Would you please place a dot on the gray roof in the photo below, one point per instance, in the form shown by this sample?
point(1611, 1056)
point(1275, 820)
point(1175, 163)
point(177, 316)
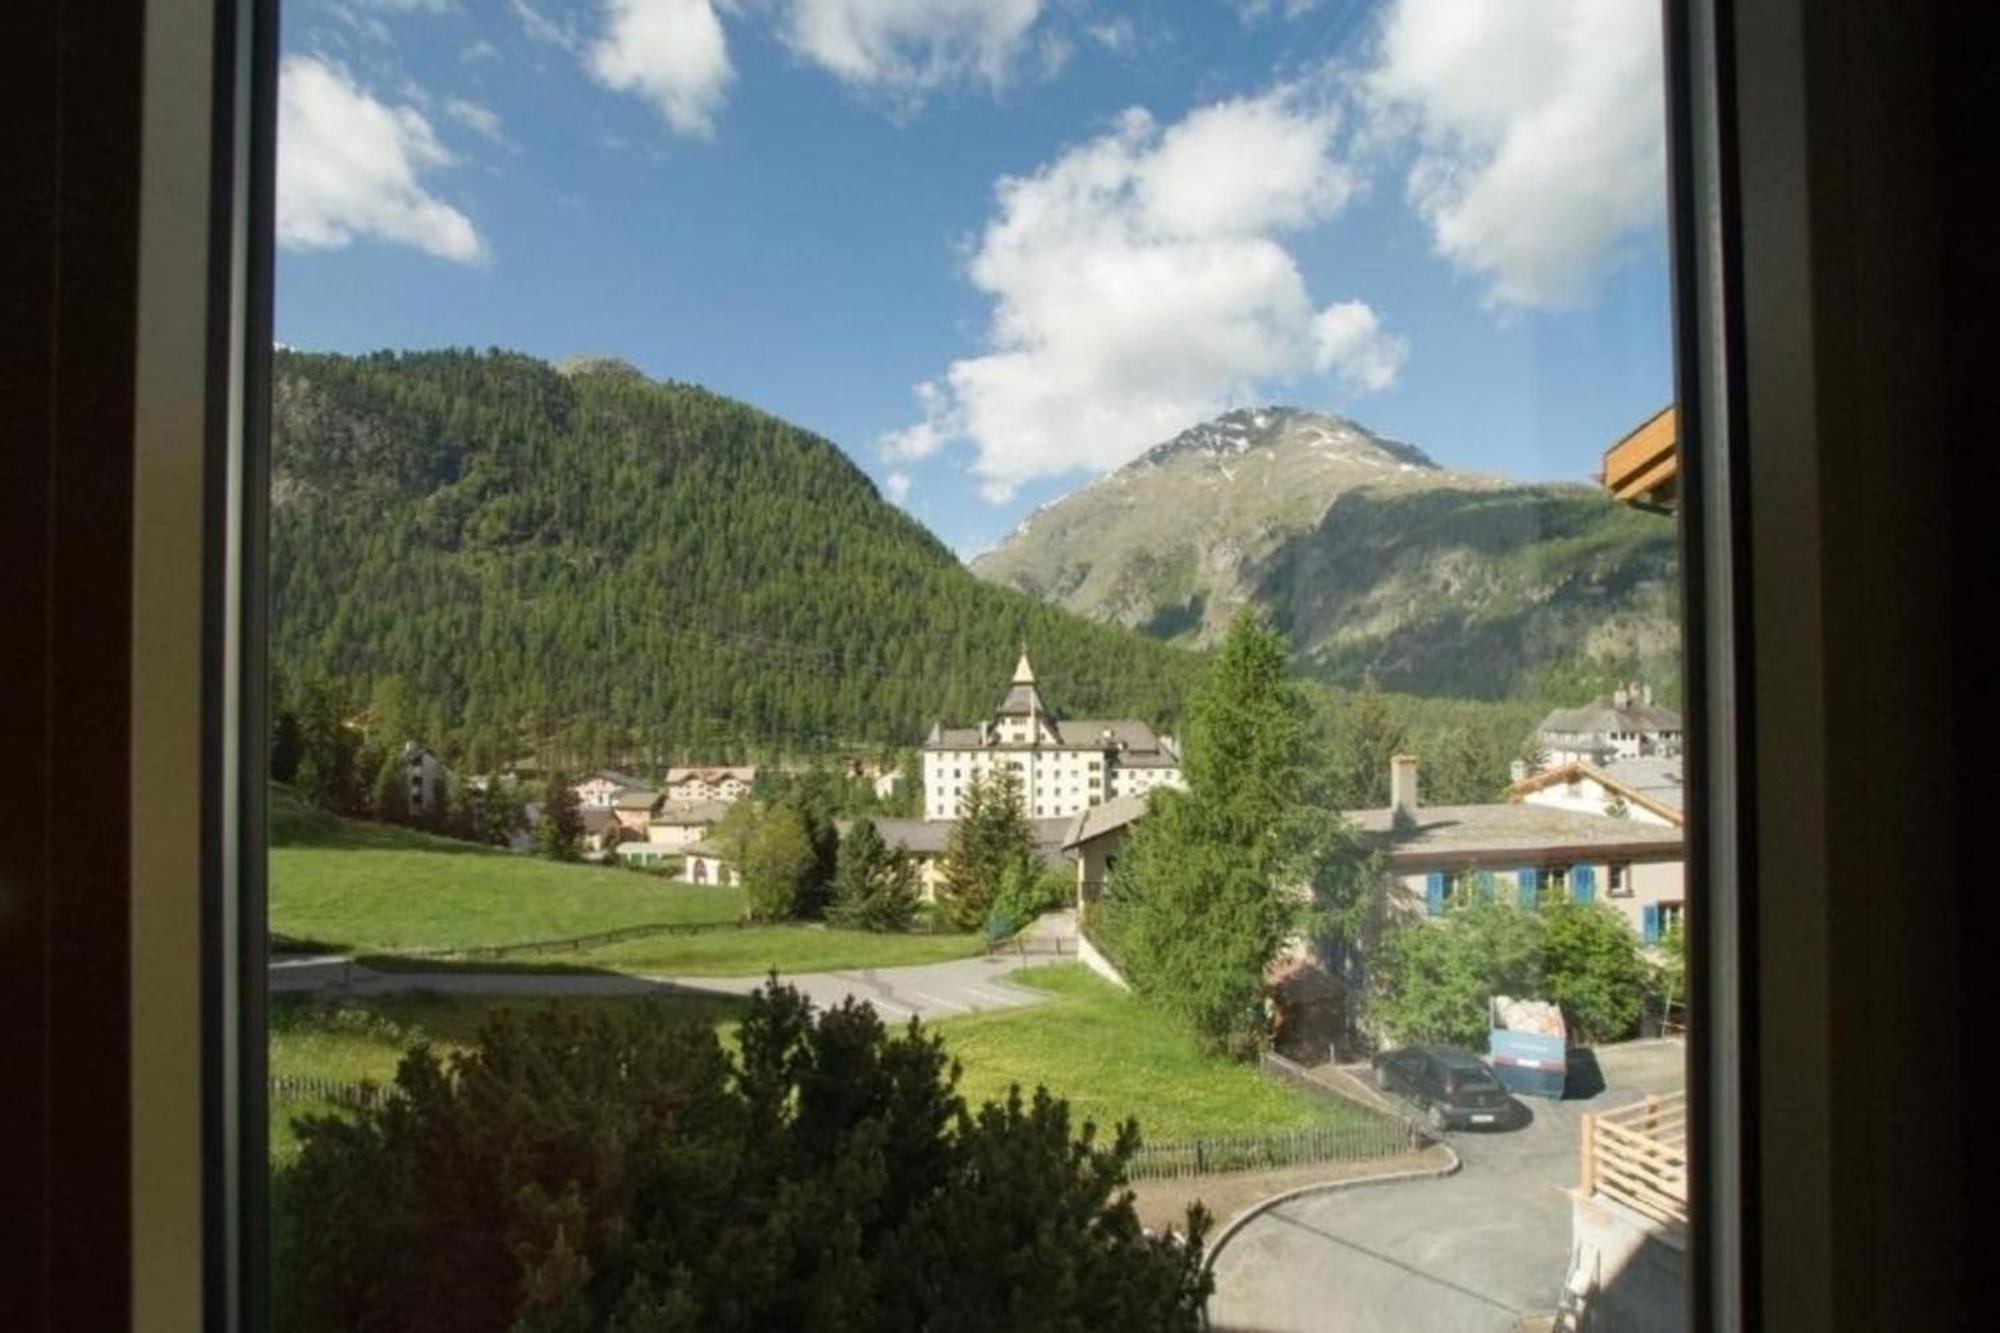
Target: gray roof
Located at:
point(1495, 833)
point(1022, 698)
point(1107, 817)
point(1603, 717)
point(1651, 776)
point(635, 798)
point(930, 837)
point(612, 776)
point(690, 812)
point(713, 773)
point(1137, 744)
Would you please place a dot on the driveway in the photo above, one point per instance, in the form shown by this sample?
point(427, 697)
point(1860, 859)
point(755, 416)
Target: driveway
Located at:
point(1466, 1253)
point(928, 990)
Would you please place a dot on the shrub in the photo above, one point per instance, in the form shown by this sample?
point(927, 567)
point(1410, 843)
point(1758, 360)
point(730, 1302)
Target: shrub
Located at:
point(618, 1170)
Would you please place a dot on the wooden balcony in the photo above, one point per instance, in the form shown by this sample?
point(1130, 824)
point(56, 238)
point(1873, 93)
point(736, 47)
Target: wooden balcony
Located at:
point(1637, 1156)
point(1643, 469)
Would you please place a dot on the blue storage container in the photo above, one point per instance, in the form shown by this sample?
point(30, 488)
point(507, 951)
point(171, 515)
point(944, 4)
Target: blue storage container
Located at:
point(1528, 1064)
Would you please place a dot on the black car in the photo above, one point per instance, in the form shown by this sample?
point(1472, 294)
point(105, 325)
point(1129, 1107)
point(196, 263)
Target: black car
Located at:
point(1455, 1089)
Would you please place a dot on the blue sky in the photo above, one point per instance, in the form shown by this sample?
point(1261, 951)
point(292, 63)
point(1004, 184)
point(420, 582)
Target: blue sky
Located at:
point(993, 248)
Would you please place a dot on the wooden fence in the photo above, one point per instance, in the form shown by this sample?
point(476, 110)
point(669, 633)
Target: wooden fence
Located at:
point(1637, 1156)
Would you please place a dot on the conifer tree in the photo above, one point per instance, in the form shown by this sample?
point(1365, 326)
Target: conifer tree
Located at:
point(389, 798)
point(990, 840)
point(559, 831)
point(875, 886)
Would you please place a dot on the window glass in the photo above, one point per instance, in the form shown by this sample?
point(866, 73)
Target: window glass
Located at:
point(1137, 538)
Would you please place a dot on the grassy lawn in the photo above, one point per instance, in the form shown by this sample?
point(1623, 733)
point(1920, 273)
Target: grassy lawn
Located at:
point(1113, 1058)
point(1097, 1047)
point(379, 888)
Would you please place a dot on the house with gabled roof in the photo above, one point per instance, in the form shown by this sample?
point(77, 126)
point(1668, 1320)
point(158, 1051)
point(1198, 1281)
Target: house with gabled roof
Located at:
point(1647, 789)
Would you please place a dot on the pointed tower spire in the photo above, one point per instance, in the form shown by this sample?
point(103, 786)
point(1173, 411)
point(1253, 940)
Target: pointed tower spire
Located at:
point(1024, 674)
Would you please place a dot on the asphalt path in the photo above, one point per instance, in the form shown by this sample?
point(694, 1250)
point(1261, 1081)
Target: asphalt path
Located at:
point(1472, 1252)
point(927, 990)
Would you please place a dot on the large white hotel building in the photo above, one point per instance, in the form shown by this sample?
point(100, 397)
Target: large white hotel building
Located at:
point(1063, 766)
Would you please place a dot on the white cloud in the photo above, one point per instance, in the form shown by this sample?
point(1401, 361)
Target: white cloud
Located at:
point(908, 47)
point(480, 119)
point(1252, 11)
point(1114, 34)
point(1348, 340)
point(1139, 285)
point(671, 52)
point(1540, 131)
point(541, 28)
point(477, 50)
point(897, 486)
point(350, 167)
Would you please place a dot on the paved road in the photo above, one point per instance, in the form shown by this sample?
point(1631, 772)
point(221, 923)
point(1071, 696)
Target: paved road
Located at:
point(929, 990)
point(1468, 1253)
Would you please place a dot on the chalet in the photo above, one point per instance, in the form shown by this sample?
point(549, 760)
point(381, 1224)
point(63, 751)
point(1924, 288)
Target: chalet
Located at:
point(1645, 789)
point(634, 808)
point(1625, 724)
point(1524, 853)
point(926, 841)
point(710, 784)
point(601, 789)
point(677, 825)
point(1095, 838)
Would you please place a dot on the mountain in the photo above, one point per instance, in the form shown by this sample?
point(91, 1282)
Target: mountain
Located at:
point(1371, 557)
point(589, 565)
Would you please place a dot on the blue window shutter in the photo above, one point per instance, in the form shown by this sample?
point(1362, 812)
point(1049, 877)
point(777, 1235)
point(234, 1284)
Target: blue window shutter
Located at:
point(1482, 885)
point(1434, 892)
point(1529, 883)
point(1649, 924)
point(1583, 884)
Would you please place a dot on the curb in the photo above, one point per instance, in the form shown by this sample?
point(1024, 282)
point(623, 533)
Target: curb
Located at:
point(1262, 1206)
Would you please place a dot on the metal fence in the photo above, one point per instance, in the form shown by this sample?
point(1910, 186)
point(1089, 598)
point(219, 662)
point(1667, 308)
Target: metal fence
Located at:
point(293, 1088)
point(1366, 1140)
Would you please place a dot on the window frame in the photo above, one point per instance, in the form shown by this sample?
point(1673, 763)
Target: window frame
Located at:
point(1772, 279)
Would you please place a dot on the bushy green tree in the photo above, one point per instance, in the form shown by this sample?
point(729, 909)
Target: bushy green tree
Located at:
point(559, 826)
point(1217, 879)
point(389, 799)
point(1432, 981)
point(875, 885)
point(1593, 968)
point(499, 812)
point(990, 841)
point(1367, 735)
point(581, 1170)
point(778, 864)
point(285, 745)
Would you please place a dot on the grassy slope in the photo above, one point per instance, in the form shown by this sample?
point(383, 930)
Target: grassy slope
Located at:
point(379, 888)
point(1111, 1057)
point(1100, 1049)
point(758, 949)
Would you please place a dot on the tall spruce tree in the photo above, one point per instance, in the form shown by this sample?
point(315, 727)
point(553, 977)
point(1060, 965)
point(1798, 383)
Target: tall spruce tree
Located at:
point(1217, 879)
point(990, 841)
point(875, 886)
point(1368, 736)
point(559, 830)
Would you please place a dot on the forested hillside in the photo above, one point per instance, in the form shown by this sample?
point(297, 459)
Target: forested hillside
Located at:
point(584, 565)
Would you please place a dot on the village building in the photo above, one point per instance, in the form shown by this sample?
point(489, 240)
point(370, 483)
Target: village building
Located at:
point(1646, 789)
point(675, 826)
point(707, 863)
point(710, 784)
point(633, 809)
point(1625, 724)
point(1062, 767)
point(426, 778)
point(600, 790)
point(1522, 853)
point(927, 842)
point(1094, 839)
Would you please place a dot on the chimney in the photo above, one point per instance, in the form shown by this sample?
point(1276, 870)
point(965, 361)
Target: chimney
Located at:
point(1646, 694)
point(1620, 697)
point(1403, 787)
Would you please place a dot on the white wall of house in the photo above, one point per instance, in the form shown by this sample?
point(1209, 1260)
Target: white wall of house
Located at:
point(1630, 887)
point(1589, 796)
point(598, 792)
point(1055, 783)
point(708, 868)
point(674, 837)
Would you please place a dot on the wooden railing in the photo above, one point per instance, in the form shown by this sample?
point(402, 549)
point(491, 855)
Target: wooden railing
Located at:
point(1637, 1156)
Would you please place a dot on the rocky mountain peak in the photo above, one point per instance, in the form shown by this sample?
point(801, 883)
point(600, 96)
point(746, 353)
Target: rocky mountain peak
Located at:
point(1245, 430)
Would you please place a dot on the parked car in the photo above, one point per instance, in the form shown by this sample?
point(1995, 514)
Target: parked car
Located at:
point(1454, 1089)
